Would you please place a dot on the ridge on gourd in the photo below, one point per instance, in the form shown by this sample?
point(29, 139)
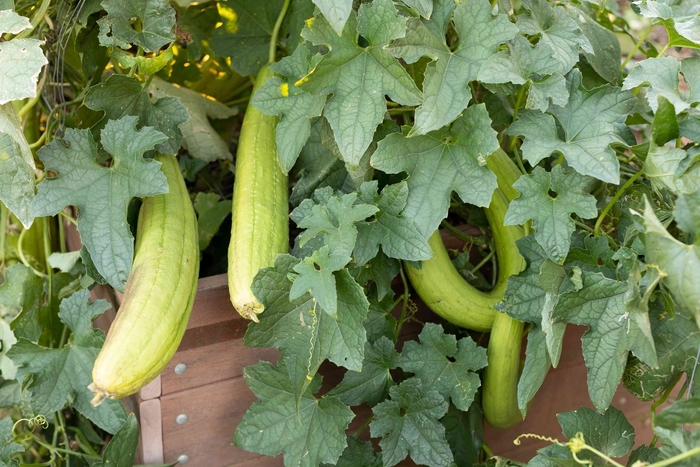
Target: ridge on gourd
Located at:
point(445, 292)
point(159, 293)
point(260, 226)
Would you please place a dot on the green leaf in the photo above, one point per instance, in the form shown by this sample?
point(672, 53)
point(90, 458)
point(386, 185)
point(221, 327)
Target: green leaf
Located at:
point(334, 216)
point(615, 330)
point(65, 262)
point(681, 412)
point(605, 57)
point(680, 18)
point(296, 108)
point(102, 194)
point(61, 376)
point(21, 60)
point(336, 12)
point(371, 385)
point(551, 216)
point(453, 158)
point(531, 297)
point(687, 212)
point(527, 65)
point(122, 447)
point(465, 433)
point(24, 299)
point(199, 20)
point(198, 136)
point(308, 431)
point(8, 447)
point(676, 442)
point(304, 333)
point(211, 212)
point(445, 364)
point(423, 7)
point(359, 77)
point(661, 76)
point(121, 95)
point(408, 424)
point(556, 29)
point(245, 33)
point(318, 167)
point(677, 340)
point(8, 370)
point(397, 235)
point(16, 166)
point(380, 321)
point(315, 275)
point(609, 433)
point(148, 24)
point(358, 454)
point(589, 121)
point(382, 270)
point(644, 453)
point(679, 262)
point(445, 89)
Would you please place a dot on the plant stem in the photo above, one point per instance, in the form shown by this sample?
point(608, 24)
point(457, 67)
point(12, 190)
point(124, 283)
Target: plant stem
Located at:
point(362, 427)
point(40, 141)
point(276, 31)
point(676, 458)
point(660, 401)
point(400, 110)
point(404, 307)
point(620, 192)
point(483, 261)
point(666, 47)
point(32, 102)
point(636, 47)
point(36, 19)
point(461, 235)
point(22, 258)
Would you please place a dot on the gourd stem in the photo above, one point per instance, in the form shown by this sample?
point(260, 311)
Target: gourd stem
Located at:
point(276, 31)
point(608, 207)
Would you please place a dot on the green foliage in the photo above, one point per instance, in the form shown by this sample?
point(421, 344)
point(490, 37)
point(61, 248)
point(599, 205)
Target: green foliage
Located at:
point(389, 113)
point(102, 194)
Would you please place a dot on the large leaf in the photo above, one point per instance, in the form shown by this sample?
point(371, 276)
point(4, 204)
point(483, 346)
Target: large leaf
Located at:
point(589, 121)
point(453, 158)
point(149, 24)
point(60, 376)
point(307, 430)
point(445, 89)
point(359, 77)
point(102, 194)
point(21, 60)
point(16, 165)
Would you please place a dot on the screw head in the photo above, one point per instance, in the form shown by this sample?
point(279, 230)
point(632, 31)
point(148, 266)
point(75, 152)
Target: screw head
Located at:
point(182, 459)
point(181, 419)
point(180, 368)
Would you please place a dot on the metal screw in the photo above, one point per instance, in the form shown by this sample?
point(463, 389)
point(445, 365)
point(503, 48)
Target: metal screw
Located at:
point(182, 459)
point(180, 368)
point(181, 419)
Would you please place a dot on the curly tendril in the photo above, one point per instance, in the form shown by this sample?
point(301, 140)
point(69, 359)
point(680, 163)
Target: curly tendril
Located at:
point(38, 420)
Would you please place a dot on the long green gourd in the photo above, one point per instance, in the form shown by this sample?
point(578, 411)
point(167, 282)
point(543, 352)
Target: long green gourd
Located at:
point(260, 227)
point(443, 289)
point(159, 293)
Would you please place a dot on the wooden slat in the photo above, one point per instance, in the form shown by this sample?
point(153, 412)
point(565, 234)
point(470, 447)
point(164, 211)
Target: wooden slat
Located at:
point(213, 413)
point(211, 363)
point(151, 425)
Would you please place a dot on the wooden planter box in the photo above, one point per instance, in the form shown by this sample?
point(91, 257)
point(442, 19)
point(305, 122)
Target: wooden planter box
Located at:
point(193, 407)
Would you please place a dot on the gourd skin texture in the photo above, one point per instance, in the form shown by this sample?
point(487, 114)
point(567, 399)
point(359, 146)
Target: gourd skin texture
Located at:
point(260, 226)
point(159, 293)
point(443, 289)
